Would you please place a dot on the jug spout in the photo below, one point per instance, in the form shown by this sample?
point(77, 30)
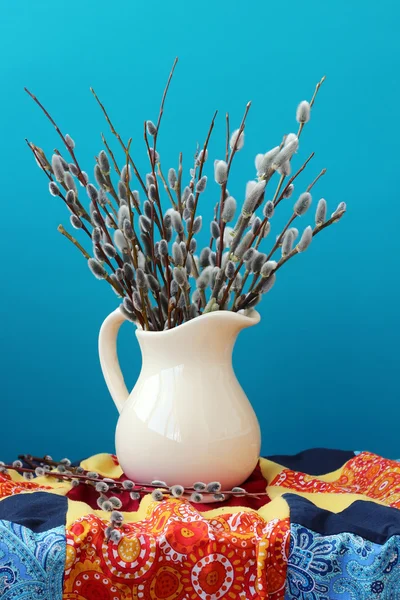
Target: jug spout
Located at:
point(208, 338)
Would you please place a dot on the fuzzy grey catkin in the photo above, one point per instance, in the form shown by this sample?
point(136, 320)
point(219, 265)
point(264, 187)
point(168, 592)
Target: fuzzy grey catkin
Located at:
point(177, 491)
point(54, 189)
point(177, 255)
point(153, 283)
point(121, 242)
point(97, 268)
point(103, 200)
point(193, 245)
point(119, 274)
point(74, 170)
point(303, 112)
point(157, 495)
point(186, 215)
point(205, 257)
point(258, 262)
point(229, 209)
point(172, 178)
point(58, 169)
point(215, 230)
point(129, 316)
point(267, 283)
point(243, 245)
point(302, 204)
point(128, 271)
point(220, 171)
point(99, 177)
point(197, 223)
point(253, 198)
point(163, 248)
point(255, 226)
point(186, 194)
point(70, 197)
point(230, 269)
point(96, 218)
point(288, 191)
point(76, 222)
point(254, 301)
point(180, 276)
point(92, 192)
point(285, 154)
point(109, 250)
point(305, 239)
point(147, 209)
point(96, 235)
point(203, 155)
point(128, 230)
point(196, 497)
point(150, 179)
point(213, 487)
point(174, 287)
point(116, 516)
point(268, 267)
point(201, 184)
point(69, 141)
point(128, 484)
point(339, 212)
point(125, 173)
point(287, 242)
point(203, 281)
point(268, 209)
point(151, 128)
point(70, 182)
point(237, 140)
point(176, 221)
point(137, 300)
point(104, 163)
point(190, 202)
point(98, 253)
point(144, 223)
point(152, 192)
point(285, 169)
point(122, 191)
point(265, 164)
point(128, 305)
point(320, 213)
point(141, 279)
point(123, 213)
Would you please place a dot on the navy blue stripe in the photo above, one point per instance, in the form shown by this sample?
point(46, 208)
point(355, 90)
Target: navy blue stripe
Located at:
point(369, 520)
point(38, 511)
point(317, 461)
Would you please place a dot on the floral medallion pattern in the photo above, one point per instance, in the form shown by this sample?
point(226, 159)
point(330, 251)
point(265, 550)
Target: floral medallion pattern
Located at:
point(176, 553)
point(366, 474)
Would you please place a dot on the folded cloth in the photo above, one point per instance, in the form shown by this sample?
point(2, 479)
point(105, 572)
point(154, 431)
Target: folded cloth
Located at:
point(328, 529)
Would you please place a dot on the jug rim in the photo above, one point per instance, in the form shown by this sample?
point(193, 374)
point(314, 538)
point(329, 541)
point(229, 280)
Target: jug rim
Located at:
point(252, 317)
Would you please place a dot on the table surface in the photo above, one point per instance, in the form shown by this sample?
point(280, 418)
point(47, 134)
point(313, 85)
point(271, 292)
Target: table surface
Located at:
point(329, 528)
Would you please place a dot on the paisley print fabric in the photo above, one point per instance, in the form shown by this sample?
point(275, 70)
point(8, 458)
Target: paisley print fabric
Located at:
point(321, 525)
point(342, 566)
point(31, 564)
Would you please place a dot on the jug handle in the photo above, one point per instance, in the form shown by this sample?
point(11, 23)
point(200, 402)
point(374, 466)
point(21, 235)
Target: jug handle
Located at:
point(109, 358)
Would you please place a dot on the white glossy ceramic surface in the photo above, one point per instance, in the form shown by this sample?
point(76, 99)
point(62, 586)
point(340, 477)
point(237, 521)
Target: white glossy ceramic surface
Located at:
point(187, 418)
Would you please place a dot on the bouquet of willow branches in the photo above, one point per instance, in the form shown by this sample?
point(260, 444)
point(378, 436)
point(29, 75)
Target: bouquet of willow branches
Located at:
point(149, 255)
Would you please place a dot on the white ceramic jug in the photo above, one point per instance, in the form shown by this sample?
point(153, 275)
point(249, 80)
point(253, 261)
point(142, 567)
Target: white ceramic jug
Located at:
point(187, 419)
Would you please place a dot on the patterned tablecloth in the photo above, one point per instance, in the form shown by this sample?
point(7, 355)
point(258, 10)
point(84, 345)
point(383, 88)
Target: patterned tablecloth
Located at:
point(329, 529)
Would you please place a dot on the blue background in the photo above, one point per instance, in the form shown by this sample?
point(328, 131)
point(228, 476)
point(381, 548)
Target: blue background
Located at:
point(322, 367)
